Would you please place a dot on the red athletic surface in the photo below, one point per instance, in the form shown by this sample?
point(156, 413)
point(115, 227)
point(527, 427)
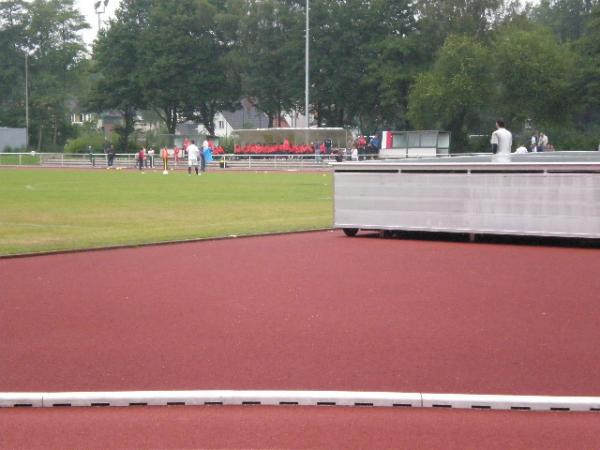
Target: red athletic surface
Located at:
point(283, 427)
point(307, 311)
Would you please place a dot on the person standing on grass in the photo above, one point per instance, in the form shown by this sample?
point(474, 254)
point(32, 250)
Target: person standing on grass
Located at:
point(140, 159)
point(164, 154)
point(202, 159)
point(206, 157)
point(501, 142)
point(193, 156)
point(111, 156)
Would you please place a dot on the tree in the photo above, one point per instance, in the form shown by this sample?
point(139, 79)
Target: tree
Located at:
point(566, 18)
point(391, 65)
point(533, 74)
point(588, 71)
point(454, 94)
point(438, 19)
point(184, 71)
point(56, 49)
point(46, 31)
point(12, 69)
point(218, 86)
point(118, 67)
point(270, 55)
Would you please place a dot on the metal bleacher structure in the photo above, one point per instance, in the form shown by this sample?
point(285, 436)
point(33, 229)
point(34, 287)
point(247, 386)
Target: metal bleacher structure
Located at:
point(554, 194)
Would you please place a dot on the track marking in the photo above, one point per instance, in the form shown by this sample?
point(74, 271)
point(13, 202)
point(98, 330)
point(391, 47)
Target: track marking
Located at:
point(300, 398)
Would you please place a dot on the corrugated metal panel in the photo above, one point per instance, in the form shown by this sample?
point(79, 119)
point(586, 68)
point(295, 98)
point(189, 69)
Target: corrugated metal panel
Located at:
point(550, 199)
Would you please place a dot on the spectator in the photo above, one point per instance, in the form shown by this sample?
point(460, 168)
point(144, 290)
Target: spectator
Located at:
point(361, 143)
point(91, 156)
point(111, 156)
point(193, 155)
point(375, 144)
point(151, 157)
point(164, 154)
point(501, 143)
point(542, 142)
point(140, 158)
point(176, 155)
point(206, 157)
point(521, 149)
point(354, 154)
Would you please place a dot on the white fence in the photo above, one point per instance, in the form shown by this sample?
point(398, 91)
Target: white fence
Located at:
point(128, 160)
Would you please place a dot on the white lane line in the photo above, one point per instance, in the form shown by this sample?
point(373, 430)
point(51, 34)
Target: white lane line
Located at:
point(300, 398)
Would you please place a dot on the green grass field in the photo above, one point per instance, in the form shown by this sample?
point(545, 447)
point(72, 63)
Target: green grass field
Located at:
point(43, 210)
point(7, 159)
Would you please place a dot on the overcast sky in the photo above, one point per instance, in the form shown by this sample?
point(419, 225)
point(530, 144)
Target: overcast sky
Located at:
point(87, 9)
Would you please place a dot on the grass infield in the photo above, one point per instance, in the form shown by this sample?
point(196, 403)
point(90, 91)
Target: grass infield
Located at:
point(45, 210)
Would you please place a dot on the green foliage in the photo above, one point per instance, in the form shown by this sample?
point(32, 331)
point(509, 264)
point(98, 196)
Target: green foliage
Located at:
point(47, 32)
point(375, 64)
point(534, 73)
point(453, 94)
point(567, 19)
point(82, 144)
point(228, 144)
point(571, 138)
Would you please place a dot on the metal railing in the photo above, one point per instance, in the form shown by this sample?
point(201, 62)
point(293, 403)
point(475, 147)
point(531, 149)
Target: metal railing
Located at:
point(128, 160)
point(240, 162)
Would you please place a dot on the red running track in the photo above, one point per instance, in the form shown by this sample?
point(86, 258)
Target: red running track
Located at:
point(314, 311)
point(304, 427)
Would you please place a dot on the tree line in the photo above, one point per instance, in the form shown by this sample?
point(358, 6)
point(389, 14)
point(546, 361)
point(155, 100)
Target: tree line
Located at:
point(375, 64)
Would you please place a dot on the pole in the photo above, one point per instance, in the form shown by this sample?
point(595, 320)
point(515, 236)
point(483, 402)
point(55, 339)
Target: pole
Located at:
point(26, 100)
point(307, 69)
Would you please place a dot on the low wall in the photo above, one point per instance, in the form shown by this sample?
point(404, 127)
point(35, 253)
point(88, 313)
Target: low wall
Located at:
point(12, 138)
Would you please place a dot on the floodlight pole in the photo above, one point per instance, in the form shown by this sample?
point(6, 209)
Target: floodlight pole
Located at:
point(99, 13)
point(307, 68)
point(26, 99)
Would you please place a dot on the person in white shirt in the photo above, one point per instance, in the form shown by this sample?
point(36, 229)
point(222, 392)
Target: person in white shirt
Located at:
point(501, 143)
point(542, 142)
point(534, 140)
point(354, 154)
point(193, 154)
